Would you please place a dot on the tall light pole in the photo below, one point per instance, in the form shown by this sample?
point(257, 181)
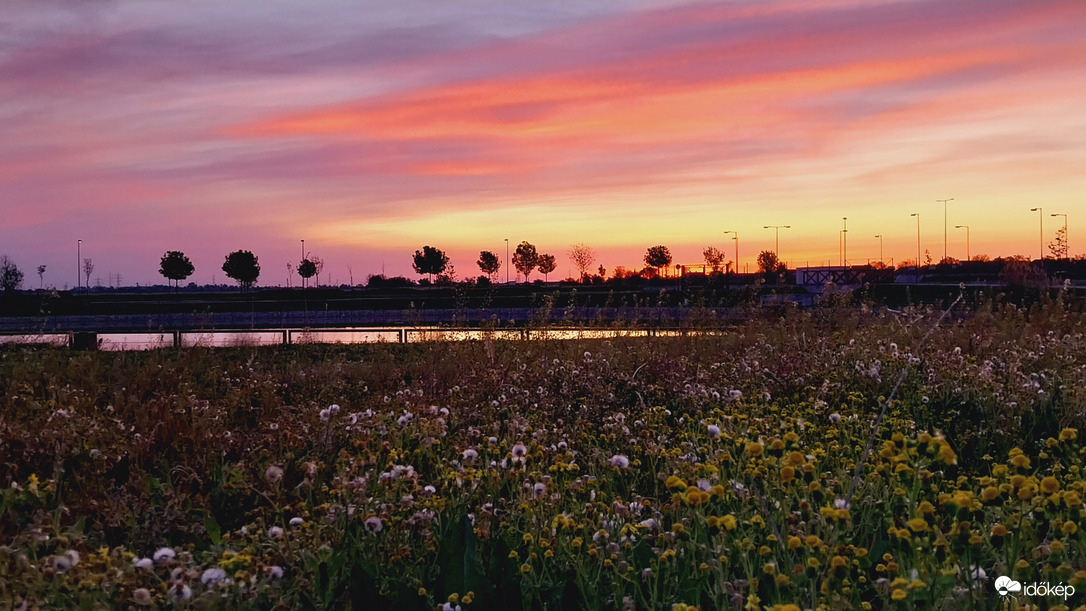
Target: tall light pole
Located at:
point(777, 240)
point(507, 260)
point(880, 247)
point(1066, 245)
point(917, 215)
point(78, 261)
point(844, 241)
point(966, 228)
point(735, 236)
point(944, 223)
point(1041, 215)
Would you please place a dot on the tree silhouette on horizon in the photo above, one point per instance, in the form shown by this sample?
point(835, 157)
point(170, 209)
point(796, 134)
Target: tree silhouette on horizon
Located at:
point(242, 266)
point(430, 260)
point(525, 258)
point(175, 266)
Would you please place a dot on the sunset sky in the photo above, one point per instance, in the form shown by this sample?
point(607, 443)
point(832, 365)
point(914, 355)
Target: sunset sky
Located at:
point(371, 129)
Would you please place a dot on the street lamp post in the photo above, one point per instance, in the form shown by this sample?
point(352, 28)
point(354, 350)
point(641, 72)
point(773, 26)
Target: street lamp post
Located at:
point(1066, 244)
point(844, 241)
point(78, 260)
point(777, 239)
point(944, 223)
point(966, 228)
point(735, 236)
point(1041, 215)
point(917, 215)
point(507, 260)
point(880, 247)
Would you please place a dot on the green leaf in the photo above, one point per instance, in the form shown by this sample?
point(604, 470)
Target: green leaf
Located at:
point(212, 528)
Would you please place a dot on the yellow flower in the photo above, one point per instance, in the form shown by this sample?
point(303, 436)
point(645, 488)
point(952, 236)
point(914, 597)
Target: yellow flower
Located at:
point(674, 482)
point(794, 542)
point(525, 568)
point(926, 508)
point(1021, 461)
point(728, 522)
point(999, 530)
point(1069, 528)
point(796, 459)
point(898, 594)
point(755, 449)
point(788, 474)
point(1050, 485)
point(946, 454)
point(918, 525)
point(1068, 434)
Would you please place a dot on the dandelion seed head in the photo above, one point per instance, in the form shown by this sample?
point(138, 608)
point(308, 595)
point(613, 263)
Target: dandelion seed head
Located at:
point(163, 554)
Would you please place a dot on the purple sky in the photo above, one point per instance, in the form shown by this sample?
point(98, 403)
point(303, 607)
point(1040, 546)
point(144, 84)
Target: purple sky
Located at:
point(369, 130)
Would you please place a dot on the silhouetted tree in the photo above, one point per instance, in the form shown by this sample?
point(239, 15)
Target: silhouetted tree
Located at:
point(713, 257)
point(306, 269)
point(525, 259)
point(175, 266)
point(768, 263)
point(657, 257)
point(546, 265)
point(489, 263)
point(582, 257)
point(41, 276)
point(10, 275)
point(242, 266)
point(88, 269)
point(319, 262)
point(1058, 246)
point(430, 261)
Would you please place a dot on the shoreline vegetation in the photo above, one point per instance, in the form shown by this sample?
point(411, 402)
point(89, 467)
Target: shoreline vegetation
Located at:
point(709, 471)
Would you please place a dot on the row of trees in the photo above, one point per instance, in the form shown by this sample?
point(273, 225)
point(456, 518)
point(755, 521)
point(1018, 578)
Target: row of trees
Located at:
point(244, 267)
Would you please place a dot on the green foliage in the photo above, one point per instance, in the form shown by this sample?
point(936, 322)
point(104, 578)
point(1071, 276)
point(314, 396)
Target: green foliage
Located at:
point(555, 474)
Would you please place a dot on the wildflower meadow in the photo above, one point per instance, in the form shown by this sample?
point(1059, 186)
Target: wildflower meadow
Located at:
point(737, 467)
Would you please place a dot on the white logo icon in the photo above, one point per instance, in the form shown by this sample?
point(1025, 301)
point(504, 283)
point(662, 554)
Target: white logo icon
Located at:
point(1005, 585)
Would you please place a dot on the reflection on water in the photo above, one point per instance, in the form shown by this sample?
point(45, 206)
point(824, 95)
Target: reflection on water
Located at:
point(50, 339)
point(220, 339)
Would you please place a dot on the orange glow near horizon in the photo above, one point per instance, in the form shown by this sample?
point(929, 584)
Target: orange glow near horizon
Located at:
point(617, 125)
